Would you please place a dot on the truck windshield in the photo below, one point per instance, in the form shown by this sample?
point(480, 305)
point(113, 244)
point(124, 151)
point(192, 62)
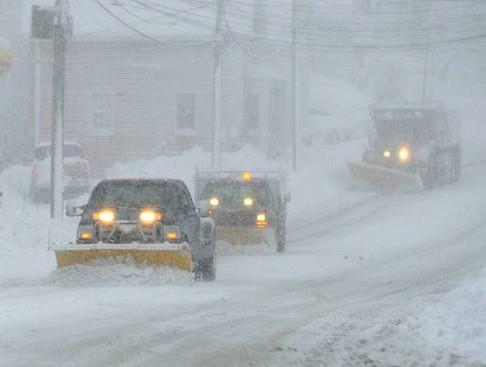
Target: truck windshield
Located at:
point(136, 194)
point(232, 193)
point(413, 130)
point(412, 125)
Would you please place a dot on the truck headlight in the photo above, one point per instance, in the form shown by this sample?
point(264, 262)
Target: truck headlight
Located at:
point(149, 216)
point(387, 154)
point(105, 216)
point(404, 154)
point(248, 201)
point(214, 201)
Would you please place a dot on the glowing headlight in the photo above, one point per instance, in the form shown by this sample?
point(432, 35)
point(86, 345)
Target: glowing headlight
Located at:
point(149, 216)
point(387, 154)
point(404, 154)
point(214, 201)
point(105, 216)
point(261, 217)
point(248, 201)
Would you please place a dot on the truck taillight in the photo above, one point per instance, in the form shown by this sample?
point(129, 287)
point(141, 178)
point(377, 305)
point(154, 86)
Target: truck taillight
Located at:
point(85, 170)
point(35, 172)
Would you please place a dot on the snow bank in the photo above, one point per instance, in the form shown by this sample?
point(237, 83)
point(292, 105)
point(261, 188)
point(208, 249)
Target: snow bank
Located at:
point(23, 230)
point(183, 166)
point(440, 330)
point(458, 322)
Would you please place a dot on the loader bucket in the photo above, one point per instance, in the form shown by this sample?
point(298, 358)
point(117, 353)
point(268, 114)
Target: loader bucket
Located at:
point(178, 256)
point(383, 177)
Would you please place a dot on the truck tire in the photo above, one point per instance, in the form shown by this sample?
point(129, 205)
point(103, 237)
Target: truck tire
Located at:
point(280, 245)
point(206, 269)
point(427, 177)
point(280, 240)
point(447, 170)
point(456, 166)
point(280, 234)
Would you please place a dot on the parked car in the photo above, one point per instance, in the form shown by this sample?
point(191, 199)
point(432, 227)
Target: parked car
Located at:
point(76, 172)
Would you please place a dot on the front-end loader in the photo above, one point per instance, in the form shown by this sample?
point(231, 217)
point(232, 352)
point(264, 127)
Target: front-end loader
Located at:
point(411, 145)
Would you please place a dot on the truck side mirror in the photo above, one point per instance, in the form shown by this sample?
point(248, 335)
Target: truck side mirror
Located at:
point(204, 208)
point(72, 210)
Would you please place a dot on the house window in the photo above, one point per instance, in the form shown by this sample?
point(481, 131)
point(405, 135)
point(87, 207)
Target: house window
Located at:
point(186, 110)
point(101, 114)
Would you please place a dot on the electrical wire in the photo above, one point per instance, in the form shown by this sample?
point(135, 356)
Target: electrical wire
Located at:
point(314, 36)
point(145, 35)
point(248, 53)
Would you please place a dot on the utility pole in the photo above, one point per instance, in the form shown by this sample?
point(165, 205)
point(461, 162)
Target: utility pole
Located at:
point(425, 81)
point(37, 92)
point(295, 104)
point(59, 50)
point(218, 85)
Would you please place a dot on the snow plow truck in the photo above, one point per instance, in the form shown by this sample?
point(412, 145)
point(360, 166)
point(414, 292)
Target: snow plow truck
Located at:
point(154, 221)
point(411, 145)
point(248, 207)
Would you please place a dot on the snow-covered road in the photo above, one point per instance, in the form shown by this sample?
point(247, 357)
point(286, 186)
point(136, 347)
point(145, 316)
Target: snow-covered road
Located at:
point(348, 291)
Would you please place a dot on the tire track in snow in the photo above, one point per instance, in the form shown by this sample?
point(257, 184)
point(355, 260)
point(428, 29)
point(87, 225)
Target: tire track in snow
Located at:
point(249, 326)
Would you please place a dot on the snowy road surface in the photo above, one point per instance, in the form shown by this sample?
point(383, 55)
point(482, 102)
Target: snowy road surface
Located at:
point(365, 281)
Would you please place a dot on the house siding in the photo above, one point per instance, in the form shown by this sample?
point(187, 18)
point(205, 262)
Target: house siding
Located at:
point(143, 79)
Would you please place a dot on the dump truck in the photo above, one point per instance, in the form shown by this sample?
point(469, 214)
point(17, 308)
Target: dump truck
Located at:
point(248, 207)
point(153, 221)
point(411, 145)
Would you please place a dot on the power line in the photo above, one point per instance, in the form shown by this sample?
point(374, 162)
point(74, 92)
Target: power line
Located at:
point(276, 40)
point(145, 35)
point(248, 53)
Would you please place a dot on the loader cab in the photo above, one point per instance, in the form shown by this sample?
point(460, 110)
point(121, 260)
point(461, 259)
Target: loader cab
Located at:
point(392, 128)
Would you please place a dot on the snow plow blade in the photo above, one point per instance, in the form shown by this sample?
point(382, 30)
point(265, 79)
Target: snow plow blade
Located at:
point(241, 235)
point(176, 255)
point(384, 177)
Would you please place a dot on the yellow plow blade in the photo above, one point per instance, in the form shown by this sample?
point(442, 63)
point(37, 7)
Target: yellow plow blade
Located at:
point(177, 256)
point(241, 235)
point(384, 177)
